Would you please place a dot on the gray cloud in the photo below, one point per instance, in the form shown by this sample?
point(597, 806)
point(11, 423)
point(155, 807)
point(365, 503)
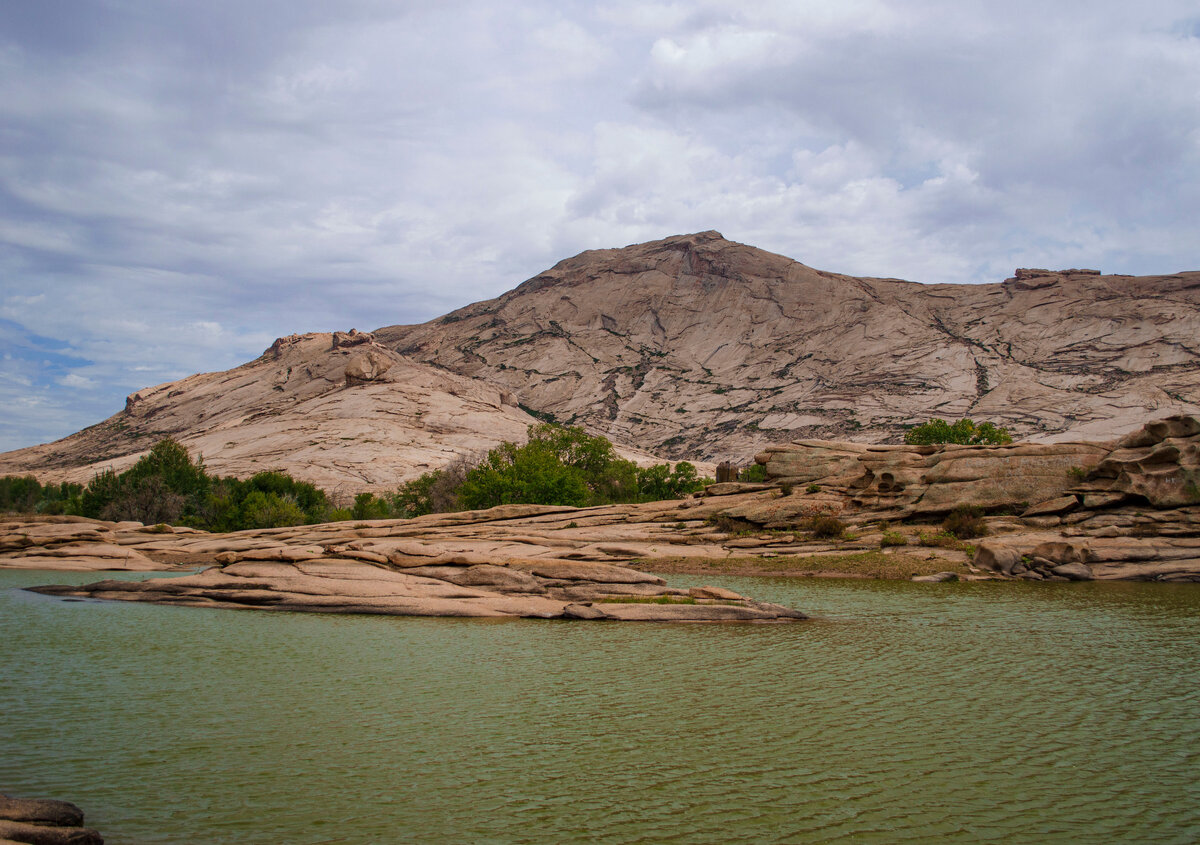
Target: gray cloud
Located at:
point(182, 182)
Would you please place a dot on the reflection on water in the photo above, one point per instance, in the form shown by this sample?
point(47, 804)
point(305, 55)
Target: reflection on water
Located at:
point(967, 712)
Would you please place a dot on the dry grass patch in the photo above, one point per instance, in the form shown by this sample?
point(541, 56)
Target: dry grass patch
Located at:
point(893, 566)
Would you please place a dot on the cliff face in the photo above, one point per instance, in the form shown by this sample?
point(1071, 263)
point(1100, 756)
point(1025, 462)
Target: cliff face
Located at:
point(697, 346)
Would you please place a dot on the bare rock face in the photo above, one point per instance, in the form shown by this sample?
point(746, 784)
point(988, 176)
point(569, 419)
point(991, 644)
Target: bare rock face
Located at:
point(689, 347)
point(1134, 515)
point(908, 481)
point(507, 562)
point(695, 346)
point(340, 410)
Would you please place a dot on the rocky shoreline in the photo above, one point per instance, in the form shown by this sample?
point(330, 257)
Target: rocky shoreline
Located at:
point(1127, 510)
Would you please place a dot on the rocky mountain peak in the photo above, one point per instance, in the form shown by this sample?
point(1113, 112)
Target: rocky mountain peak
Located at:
point(697, 346)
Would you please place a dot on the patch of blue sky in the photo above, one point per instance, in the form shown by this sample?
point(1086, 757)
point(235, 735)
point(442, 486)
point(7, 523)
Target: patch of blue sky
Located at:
point(46, 360)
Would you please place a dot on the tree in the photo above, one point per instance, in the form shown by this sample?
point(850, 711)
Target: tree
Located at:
point(963, 432)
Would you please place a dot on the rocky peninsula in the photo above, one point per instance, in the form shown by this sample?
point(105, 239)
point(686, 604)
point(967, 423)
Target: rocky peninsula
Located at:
point(1126, 509)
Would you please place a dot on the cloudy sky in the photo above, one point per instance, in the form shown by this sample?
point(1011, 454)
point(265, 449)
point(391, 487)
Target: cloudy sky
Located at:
point(181, 182)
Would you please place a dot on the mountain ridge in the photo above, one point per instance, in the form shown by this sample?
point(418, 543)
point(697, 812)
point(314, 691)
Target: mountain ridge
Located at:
point(833, 355)
point(691, 346)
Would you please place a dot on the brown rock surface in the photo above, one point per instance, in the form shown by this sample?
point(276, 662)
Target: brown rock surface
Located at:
point(510, 562)
point(692, 346)
point(1137, 514)
point(699, 347)
point(40, 821)
point(489, 558)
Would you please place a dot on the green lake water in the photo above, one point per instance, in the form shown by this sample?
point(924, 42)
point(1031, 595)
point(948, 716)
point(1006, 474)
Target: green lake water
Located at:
point(1007, 713)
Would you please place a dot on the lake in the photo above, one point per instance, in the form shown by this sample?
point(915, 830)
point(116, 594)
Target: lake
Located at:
point(984, 712)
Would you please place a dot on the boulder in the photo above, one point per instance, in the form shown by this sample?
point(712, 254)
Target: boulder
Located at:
point(1074, 572)
point(710, 592)
point(936, 578)
point(38, 834)
point(1060, 505)
point(40, 811)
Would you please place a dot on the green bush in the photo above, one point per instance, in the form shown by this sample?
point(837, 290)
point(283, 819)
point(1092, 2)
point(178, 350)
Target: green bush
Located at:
point(965, 522)
point(755, 473)
point(963, 432)
point(938, 541)
point(562, 465)
point(826, 527)
point(166, 486)
point(892, 538)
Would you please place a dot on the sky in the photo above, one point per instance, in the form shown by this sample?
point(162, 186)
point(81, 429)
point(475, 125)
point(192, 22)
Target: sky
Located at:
point(183, 182)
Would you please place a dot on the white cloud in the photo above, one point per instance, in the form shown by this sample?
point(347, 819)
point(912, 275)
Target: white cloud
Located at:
point(76, 381)
point(179, 185)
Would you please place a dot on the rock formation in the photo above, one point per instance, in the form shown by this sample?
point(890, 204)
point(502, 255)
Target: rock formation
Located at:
point(40, 821)
point(515, 560)
point(689, 347)
point(1127, 509)
point(695, 346)
point(340, 410)
point(1124, 510)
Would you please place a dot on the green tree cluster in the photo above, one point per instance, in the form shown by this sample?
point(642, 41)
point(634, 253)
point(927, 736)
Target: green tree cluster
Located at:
point(964, 432)
point(166, 485)
point(557, 465)
point(24, 494)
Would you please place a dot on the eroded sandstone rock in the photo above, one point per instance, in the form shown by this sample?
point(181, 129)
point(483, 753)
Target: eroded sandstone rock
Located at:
point(37, 821)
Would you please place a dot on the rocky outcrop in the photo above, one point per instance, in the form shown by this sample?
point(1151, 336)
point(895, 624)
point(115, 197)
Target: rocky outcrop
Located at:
point(1134, 515)
point(900, 482)
point(40, 821)
point(696, 346)
point(340, 411)
point(449, 586)
point(74, 543)
point(512, 561)
point(1128, 509)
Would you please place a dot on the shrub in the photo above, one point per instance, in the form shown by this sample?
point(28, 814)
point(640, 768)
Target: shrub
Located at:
point(964, 432)
point(755, 473)
point(366, 506)
point(965, 522)
point(730, 524)
point(270, 510)
point(814, 488)
point(938, 541)
point(19, 493)
point(785, 489)
point(826, 527)
point(892, 538)
point(147, 499)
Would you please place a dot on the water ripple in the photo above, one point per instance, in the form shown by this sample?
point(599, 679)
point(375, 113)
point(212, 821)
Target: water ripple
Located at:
point(962, 713)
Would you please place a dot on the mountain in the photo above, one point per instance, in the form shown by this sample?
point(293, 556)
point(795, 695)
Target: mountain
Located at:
point(692, 346)
point(339, 410)
point(700, 347)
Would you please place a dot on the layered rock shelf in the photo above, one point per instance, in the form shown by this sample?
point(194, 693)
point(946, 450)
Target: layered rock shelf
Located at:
point(513, 561)
point(1124, 509)
point(1128, 509)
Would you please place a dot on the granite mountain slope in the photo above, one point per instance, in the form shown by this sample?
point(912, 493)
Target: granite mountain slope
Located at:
point(338, 410)
point(692, 346)
point(697, 346)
